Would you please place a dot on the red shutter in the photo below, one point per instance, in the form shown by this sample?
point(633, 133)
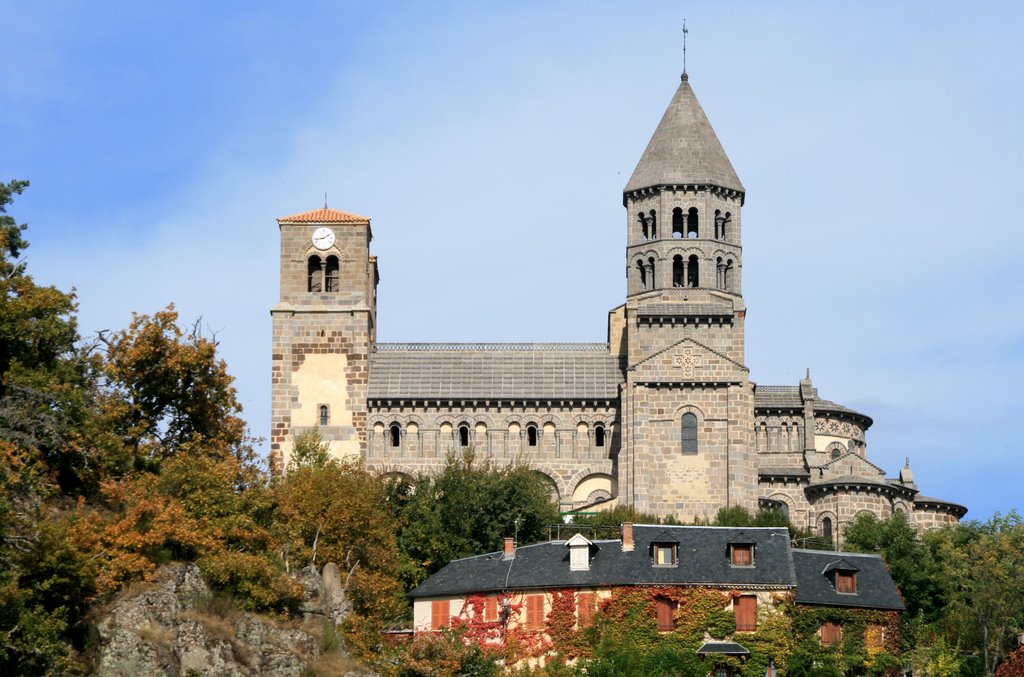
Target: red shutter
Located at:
point(845, 582)
point(584, 608)
point(745, 608)
point(666, 614)
point(742, 556)
point(440, 614)
point(535, 612)
point(874, 637)
point(831, 633)
point(491, 608)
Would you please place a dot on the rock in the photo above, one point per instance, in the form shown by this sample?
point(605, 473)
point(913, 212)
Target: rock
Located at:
point(169, 628)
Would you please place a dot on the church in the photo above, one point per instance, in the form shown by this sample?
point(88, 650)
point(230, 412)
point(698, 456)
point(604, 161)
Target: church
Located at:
point(662, 415)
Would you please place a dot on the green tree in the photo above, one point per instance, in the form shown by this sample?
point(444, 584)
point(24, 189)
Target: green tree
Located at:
point(467, 509)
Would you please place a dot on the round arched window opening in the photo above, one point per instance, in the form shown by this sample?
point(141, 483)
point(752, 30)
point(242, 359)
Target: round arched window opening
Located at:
point(463, 435)
point(395, 432)
point(689, 423)
point(531, 435)
point(599, 436)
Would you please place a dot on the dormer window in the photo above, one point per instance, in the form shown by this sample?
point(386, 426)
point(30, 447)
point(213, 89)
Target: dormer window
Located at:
point(742, 554)
point(843, 575)
point(664, 554)
point(579, 553)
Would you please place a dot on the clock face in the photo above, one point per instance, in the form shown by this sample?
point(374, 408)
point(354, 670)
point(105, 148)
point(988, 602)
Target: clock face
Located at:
point(323, 238)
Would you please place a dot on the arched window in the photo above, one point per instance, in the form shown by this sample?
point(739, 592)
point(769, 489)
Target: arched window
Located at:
point(396, 435)
point(643, 224)
point(331, 274)
point(691, 223)
point(314, 275)
point(325, 414)
point(689, 433)
point(531, 435)
point(599, 436)
point(836, 453)
point(692, 272)
point(826, 528)
point(727, 276)
point(654, 225)
point(678, 271)
point(719, 273)
point(725, 224)
point(463, 435)
point(650, 273)
point(643, 273)
point(677, 223)
point(718, 224)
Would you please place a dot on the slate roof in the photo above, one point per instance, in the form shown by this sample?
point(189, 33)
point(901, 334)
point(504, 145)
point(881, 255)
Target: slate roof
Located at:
point(702, 560)
point(324, 215)
point(495, 371)
point(875, 589)
point(724, 648)
point(684, 149)
point(788, 397)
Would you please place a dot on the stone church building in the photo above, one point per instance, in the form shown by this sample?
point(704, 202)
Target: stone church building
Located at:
point(662, 415)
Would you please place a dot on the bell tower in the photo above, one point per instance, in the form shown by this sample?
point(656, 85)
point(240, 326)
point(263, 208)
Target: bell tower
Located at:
point(323, 331)
point(687, 402)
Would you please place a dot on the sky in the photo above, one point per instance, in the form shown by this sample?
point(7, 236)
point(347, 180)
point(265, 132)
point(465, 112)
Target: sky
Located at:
point(880, 145)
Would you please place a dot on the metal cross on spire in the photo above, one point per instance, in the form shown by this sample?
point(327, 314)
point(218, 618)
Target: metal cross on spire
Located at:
point(684, 48)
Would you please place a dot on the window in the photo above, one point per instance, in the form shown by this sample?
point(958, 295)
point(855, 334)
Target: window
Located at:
point(643, 273)
point(535, 612)
point(314, 274)
point(691, 223)
point(490, 608)
point(692, 271)
point(718, 224)
point(584, 608)
point(689, 433)
point(463, 435)
point(678, 271)
point(396, 435)
point(677, 223)
point(665, 610)
point(663, 554)
point(725, 223)
point(846, 582)
point(831, 633)
point(531, 435)
point(650, 268)
point(654, 225)
point(325, 414)
point(599, 435)
point(331, 274)
point(643, 225)
point(440, 614)
point(742, 555)
point(745, 608)
point(874, 637)
point(723, 672)
point(727, 281)
point(826, 528)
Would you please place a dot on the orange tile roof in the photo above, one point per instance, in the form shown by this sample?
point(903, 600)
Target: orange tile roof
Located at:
point(323, 215)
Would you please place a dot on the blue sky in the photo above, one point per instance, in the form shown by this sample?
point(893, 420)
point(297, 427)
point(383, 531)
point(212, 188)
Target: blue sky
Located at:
point(879, 143)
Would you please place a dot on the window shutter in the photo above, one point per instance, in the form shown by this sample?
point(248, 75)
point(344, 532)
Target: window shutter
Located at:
point(665, 613)
point(584, 608)
point(535, 612)
point(440, 614)
point(845, 582)
point(874, 637)
point(491, 608)
point(745, 608)
point(741, 555)
point(831, 633)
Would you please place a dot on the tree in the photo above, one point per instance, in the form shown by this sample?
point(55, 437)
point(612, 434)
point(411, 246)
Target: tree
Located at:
point(467, 509)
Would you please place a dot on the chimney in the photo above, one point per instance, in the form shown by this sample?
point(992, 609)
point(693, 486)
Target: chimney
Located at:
point(627, 537)
point(510, 548)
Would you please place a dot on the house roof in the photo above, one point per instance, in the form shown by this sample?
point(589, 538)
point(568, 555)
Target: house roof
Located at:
point(324, 215)
point(703, 559)
point(875, 588)
point(494, 370)
point(789, 397)
point(684, 149)
point(724, 648)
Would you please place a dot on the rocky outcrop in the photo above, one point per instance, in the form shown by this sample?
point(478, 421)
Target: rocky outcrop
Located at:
point(175, 627)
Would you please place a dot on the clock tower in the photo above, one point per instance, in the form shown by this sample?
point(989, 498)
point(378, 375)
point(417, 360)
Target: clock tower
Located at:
point(323, 331)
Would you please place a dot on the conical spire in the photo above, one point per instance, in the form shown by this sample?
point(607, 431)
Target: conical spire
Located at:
point(684, 149)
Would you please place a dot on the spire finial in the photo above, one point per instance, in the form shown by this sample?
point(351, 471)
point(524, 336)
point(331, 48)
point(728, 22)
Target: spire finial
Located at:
point(325, 199)
point(685, 77)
